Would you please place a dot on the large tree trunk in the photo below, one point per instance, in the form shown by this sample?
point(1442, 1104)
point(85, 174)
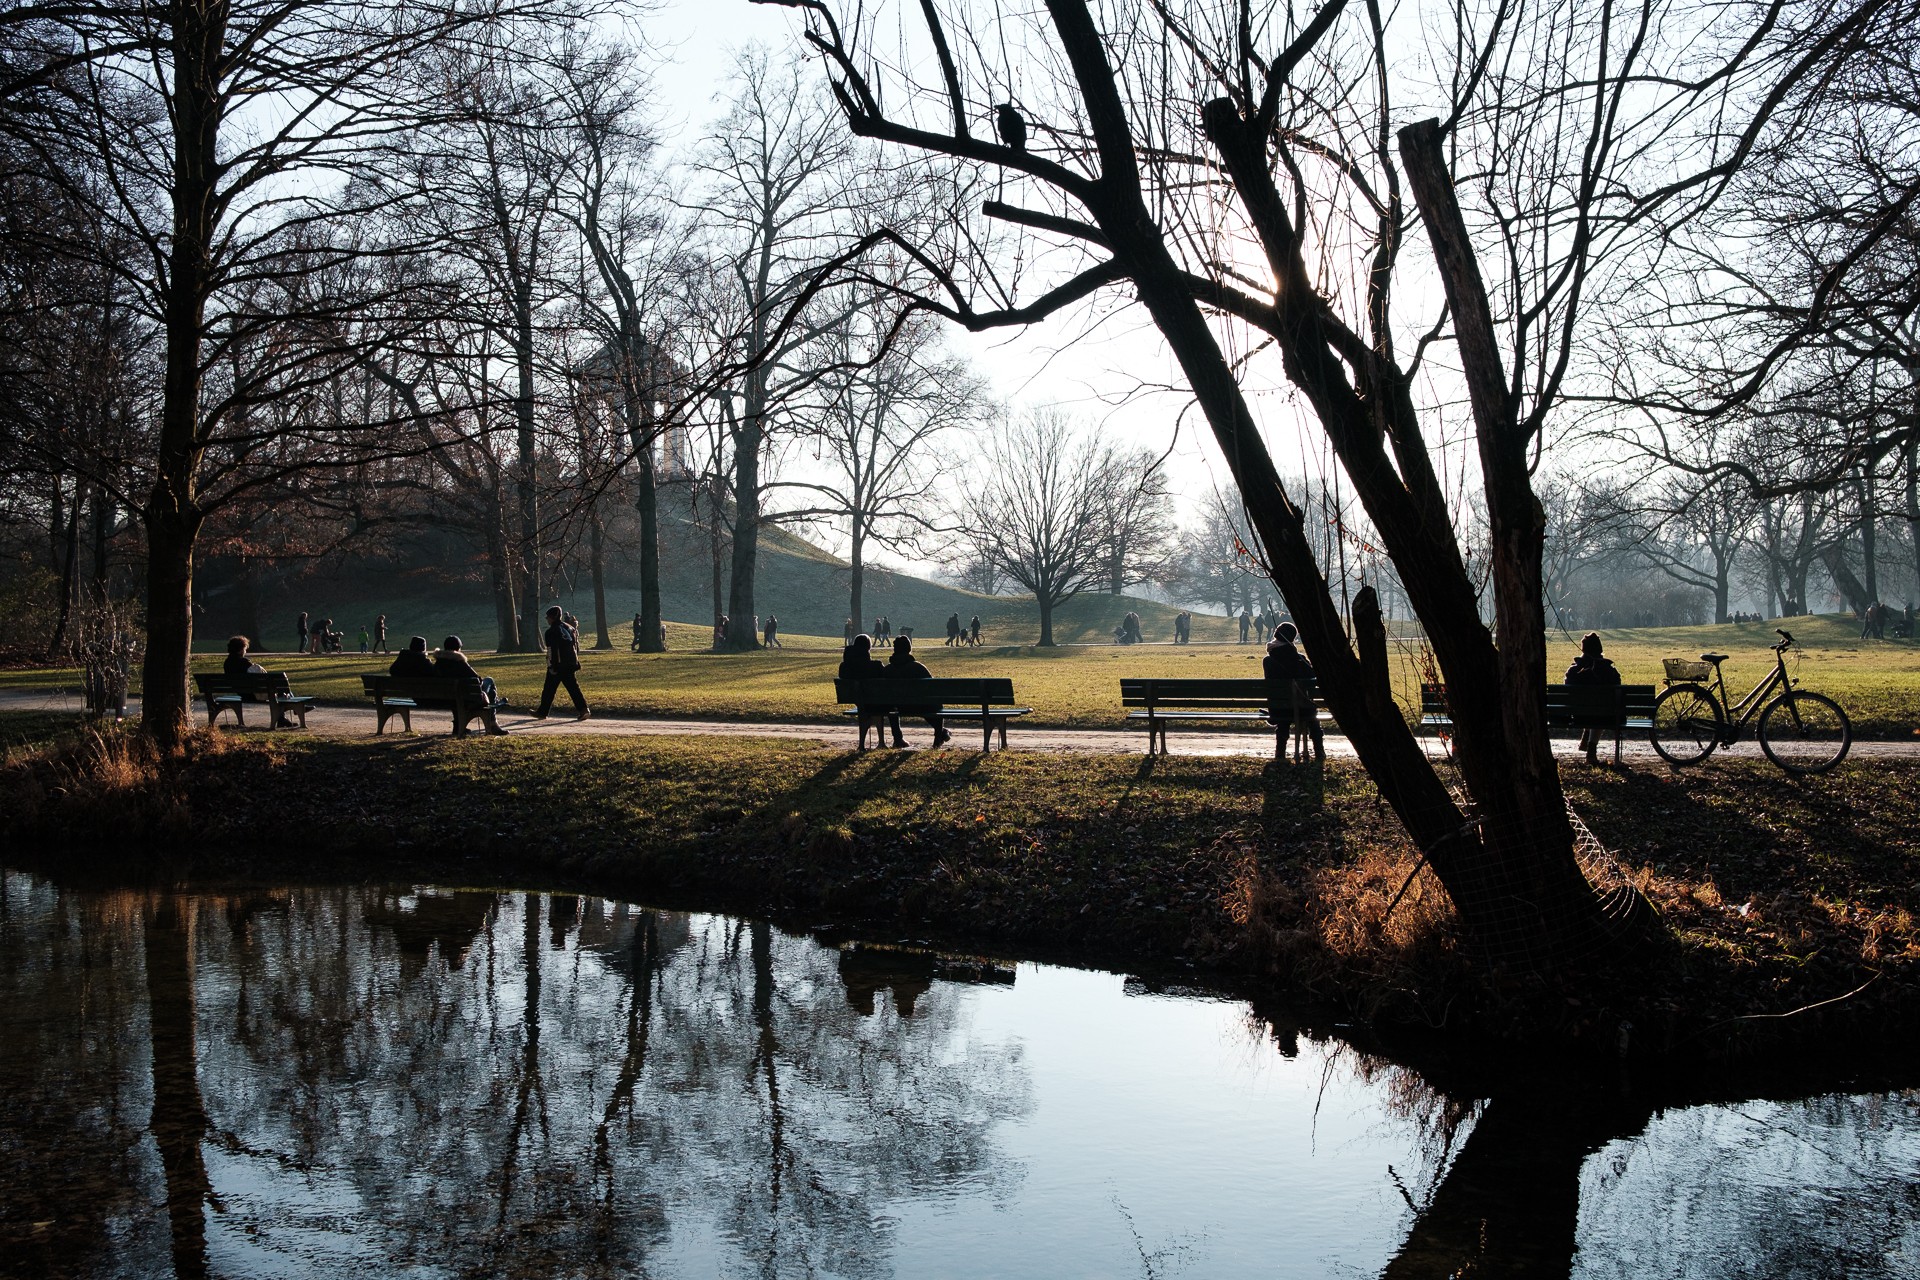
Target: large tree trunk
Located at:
point(1855, 591)
point(1046, 603)
point(173, 514)
point(596, 568)
point(857, 572)
point(500, 570)
point(69, 575)
point(646, 504)
point(102, 533)
point(528, 478)
point(746, 518)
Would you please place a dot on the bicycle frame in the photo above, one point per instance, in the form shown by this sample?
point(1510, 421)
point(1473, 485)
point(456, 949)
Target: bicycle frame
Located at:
point(1739, 713)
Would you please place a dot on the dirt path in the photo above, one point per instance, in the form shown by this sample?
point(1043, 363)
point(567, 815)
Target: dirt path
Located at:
point(351, 721)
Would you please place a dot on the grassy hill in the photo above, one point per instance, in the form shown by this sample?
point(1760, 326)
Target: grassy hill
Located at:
point(802, 585)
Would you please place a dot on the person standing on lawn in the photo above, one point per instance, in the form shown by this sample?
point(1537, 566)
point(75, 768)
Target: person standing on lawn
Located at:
point(563, 664)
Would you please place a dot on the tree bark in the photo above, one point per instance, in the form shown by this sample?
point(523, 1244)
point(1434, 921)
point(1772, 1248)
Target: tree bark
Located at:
point(528, 477)
point(646, 504)
point(746, 517)
point(596, 568)
point(500, 566)
point(1046, 620)
point(857, 572)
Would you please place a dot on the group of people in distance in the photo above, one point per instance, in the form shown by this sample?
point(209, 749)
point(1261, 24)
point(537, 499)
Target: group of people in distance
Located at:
point(858, 663)
point(958, 632)
point(320, 637)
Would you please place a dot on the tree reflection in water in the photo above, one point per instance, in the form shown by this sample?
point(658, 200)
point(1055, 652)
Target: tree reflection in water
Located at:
point(589, 1082)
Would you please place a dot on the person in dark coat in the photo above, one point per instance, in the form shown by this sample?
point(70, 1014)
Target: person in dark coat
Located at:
point(1592, 667)
point(239, 662)
point(412, 663)
point(1283, 665)
point(302, 646)
point(904, 666)
point(452, 661)
point(858, 663)
point(563, 661)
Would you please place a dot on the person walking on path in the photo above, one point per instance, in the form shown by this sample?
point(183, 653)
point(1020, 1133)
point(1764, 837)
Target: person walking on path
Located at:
point(974, 631)
point(302, 646)
point(380, 634)
point(1592, 668)
point(858, 663)
point(849, 632)
point(636, 633)
point(563, 664)
point(772, 636)
point(1246, 622)
point(904, 666)
point(363, 637)
point(953, 630)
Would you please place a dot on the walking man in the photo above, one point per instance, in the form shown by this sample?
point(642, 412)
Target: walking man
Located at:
point(380, 634)
point(302, 646)
point(563, 662)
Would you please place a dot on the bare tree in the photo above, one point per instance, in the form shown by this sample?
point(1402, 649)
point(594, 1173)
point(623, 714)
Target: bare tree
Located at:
point(1033, 510)
point(890, 393)
point(236, 134)
point(1245, 173)
point(1133, 518)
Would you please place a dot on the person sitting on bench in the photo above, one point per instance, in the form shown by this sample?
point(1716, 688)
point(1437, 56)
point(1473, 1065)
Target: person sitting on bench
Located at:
point(412, 662)
point(452, 662)
point(1283, 665)
point(240, 663)
point(904, 666)
point(858, 663)
point(1592, 668)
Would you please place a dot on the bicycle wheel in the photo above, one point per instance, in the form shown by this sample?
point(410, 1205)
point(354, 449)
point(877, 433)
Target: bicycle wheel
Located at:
point(1805, 732)
point(1687, 724)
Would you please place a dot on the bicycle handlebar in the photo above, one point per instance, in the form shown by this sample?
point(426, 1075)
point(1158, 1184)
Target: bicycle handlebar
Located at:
point(1785, 639)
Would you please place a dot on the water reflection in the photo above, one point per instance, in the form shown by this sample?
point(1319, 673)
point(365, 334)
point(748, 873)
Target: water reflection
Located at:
point(438, 1083)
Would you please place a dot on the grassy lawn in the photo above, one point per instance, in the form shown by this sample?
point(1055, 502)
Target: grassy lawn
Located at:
point(1878, 681)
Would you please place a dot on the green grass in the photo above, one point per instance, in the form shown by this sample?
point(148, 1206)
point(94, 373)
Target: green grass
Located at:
point(1878, 681)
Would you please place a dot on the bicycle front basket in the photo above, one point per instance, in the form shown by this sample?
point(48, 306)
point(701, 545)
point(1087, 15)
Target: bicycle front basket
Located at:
point(1679, 669)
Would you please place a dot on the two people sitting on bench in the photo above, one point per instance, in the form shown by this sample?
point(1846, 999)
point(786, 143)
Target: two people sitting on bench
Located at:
point(858, 663)
point(1592, 668)
point(1283, 665)
point(453, 662)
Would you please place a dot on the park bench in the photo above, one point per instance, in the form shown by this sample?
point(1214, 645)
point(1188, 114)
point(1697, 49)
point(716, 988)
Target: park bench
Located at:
point(1161, 702)
point(1601, 707)
point(988, 700)
point(1569, 706)
point(403, 695)
point(270, 689)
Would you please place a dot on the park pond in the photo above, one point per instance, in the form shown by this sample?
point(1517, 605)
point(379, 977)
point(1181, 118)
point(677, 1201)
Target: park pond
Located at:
point(429, 1082)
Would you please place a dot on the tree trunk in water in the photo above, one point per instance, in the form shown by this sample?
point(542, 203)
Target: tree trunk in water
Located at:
point(597, 568)
point(179, 1118)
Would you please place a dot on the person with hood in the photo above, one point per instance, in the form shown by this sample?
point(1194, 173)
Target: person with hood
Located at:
point(858, 663)
point(1592, 667)
point(904, 666)
point(1283, 666)
point(412, 663)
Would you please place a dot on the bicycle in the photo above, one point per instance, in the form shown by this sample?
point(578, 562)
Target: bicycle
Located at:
point(1800, 731)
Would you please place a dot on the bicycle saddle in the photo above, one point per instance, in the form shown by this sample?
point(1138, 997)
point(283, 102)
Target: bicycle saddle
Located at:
point(1713, 657)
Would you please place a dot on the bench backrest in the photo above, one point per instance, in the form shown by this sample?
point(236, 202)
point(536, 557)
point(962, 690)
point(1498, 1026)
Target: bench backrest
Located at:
point(981, 692)
point(432, 688)
point(221, 683)
point(1590, 705)
point(1222, 694)
point(1433, 699)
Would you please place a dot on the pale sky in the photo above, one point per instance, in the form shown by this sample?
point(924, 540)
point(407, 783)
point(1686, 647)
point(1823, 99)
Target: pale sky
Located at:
point(1090, 370)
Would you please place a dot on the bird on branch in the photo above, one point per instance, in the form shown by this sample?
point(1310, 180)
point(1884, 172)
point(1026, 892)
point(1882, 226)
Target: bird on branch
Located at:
point(1013, 128)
